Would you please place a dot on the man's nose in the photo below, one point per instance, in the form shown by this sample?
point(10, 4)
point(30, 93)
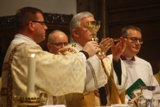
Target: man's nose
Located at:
point(63, 45)
point(45, 27)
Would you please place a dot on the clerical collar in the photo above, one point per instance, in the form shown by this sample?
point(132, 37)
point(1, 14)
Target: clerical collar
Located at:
point(126, 58)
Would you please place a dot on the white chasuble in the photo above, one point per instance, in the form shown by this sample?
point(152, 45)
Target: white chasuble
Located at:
point(95, 74)
point(55, 75)
point(95, 78)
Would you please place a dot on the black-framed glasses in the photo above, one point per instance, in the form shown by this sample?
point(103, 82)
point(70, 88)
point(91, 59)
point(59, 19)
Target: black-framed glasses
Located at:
point(135, 39)
point(41, 22)
point(60, 44)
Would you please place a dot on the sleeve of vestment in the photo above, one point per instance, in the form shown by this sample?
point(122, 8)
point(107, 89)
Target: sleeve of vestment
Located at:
point(55, 74)
point(95, 74)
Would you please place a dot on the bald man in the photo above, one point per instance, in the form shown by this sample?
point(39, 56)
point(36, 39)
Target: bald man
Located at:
point(56, 40)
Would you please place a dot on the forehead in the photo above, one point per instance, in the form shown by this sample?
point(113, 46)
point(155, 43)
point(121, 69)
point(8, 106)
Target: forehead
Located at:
point(59, 36)
point(84, 20)
point(40, 16)
point(134, 33)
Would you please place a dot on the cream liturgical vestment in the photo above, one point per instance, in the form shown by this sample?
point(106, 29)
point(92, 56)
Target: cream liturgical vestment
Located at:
point(95, 74)
point(115, 91)
point(95, 78)
point(55, 74)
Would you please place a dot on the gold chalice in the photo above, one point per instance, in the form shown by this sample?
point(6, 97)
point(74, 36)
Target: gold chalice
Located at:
point(93, 27)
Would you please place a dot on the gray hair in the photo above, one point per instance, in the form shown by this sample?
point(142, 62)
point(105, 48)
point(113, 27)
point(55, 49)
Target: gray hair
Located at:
point(75, 22)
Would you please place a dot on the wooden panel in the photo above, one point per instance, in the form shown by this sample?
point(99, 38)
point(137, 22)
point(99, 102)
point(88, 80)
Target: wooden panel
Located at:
point(145, 15)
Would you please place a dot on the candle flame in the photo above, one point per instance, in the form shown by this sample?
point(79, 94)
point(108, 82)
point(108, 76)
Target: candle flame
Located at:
point(33, 55)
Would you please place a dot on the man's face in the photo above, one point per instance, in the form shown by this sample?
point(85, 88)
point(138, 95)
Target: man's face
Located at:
point(83, 34)
point(133, 43)
point(39, 28)
point(57, 41)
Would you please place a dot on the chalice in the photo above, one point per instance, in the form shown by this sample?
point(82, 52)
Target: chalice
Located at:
point(93, 27)
point(147, 92)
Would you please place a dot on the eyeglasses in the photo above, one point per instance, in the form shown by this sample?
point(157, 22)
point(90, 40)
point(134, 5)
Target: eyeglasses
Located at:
point(60, 44)
point(134, 39)
point(41, 22)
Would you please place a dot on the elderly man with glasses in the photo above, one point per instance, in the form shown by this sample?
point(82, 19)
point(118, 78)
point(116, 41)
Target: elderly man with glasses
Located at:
point(95, 88)
point(56, 41)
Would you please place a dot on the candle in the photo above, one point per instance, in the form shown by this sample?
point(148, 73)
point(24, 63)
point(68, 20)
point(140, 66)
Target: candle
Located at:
point(31, 76)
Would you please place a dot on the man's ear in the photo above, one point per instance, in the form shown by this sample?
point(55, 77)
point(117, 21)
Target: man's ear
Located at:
point(75, 33)
point(31, 25)
point(48, 46)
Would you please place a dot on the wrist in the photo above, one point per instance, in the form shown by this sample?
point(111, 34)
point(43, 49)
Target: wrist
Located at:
point(116, 59)
point(85, 53)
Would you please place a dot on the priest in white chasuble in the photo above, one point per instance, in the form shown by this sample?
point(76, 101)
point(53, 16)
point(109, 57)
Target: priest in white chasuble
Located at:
point(55, 75)
point(96, 74)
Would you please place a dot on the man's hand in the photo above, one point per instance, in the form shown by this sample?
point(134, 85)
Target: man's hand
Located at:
point(66, 51)
point(106, 44)
point(91, 48)
point(117, 49)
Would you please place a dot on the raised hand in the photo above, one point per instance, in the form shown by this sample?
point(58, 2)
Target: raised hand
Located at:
point(117, 49)
point(106, 44)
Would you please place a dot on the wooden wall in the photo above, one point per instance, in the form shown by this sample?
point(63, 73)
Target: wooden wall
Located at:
point(119, 13)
